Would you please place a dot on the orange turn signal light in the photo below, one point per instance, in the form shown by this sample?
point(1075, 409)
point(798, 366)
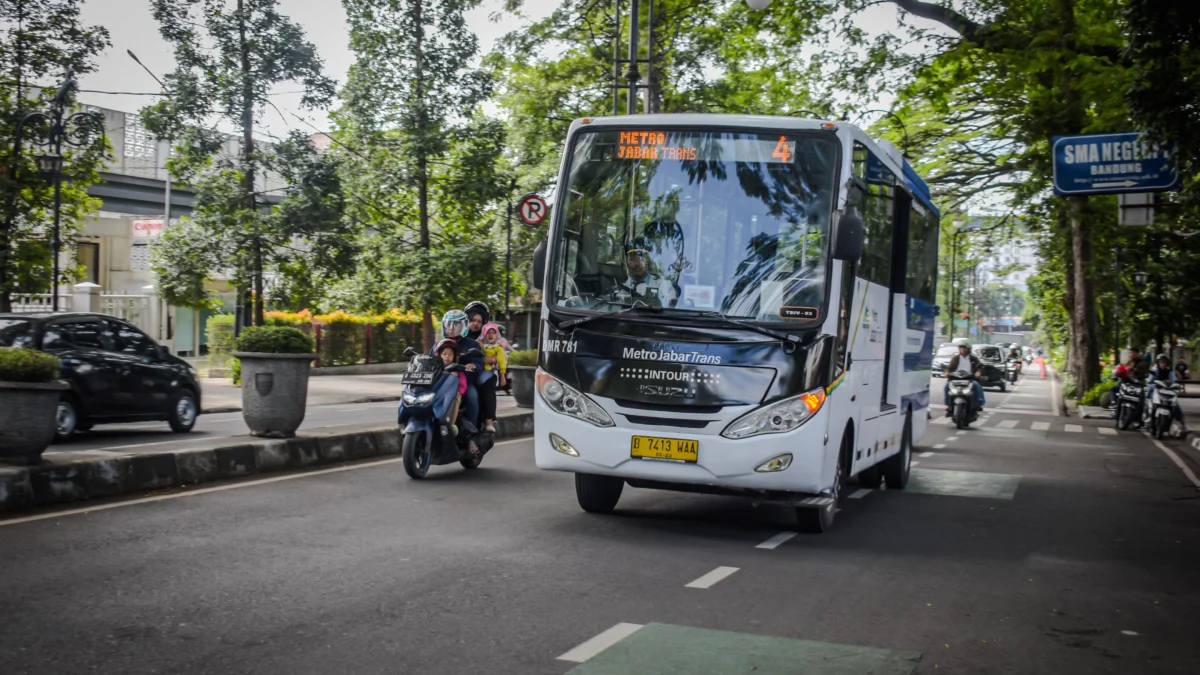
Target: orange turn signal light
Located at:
point(813, 400)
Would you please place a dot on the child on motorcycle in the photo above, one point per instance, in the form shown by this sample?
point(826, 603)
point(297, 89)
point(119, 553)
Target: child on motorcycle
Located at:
point(495, 370)
point(447, 351)
point(454, 327)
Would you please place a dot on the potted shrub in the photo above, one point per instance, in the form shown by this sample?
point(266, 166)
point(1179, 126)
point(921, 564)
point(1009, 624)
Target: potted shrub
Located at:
point(29, 391)
point(275, 362)
point(521, 367)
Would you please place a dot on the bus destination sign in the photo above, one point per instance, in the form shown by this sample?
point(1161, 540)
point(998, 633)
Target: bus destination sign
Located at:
point(658, 145)
point(650, 145)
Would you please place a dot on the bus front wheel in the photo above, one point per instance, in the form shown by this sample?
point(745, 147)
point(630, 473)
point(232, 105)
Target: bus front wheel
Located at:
point(598, 494)
point(818, 520)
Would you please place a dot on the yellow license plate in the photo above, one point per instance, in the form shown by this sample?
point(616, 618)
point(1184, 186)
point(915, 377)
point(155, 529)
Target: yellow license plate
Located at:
point(675, 449)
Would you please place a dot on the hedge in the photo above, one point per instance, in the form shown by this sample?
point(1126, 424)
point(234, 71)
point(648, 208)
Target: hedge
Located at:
point(274, 340)
point(18, 364)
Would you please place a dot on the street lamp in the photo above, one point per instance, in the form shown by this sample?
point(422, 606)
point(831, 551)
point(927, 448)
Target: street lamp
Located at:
point(1140, 278)
point(50, 131)
point(758, 4)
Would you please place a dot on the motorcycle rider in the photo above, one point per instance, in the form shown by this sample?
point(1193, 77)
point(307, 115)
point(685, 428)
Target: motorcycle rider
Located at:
point(1182, 370)
point(454, 327)
point(1162, 372)
point(1014, 354)
point(965, 357)
point(1120, 374)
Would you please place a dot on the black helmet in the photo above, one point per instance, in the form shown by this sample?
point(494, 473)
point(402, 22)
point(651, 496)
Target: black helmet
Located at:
point(478, 307)
point(1162, 357)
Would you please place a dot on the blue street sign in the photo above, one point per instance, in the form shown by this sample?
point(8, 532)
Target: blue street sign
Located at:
point(1100, 164)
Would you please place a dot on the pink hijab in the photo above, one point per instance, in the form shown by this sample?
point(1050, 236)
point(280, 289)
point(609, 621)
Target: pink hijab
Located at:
point(483, 336)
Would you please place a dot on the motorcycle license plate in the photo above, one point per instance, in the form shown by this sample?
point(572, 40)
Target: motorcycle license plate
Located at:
point(417, 378)
point(672, 449)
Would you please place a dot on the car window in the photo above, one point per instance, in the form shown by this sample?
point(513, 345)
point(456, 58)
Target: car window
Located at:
point(947, 351)
point(16, 333)
point(990, 353)
point(56, 336)
point(89, 335)
point(131, 340)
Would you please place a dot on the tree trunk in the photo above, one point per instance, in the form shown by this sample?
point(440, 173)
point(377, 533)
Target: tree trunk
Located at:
point(6, 233)
point(248, 170)
point(1087, 325)
point(417, 8)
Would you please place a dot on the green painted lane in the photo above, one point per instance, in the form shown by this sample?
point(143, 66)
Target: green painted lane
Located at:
point(662, 649)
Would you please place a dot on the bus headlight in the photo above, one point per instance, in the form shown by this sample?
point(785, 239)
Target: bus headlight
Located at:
point(565, 400)
point(777, 418)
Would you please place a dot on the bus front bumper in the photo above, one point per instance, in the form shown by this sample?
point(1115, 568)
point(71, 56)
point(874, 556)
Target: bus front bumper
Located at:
point(721, 462)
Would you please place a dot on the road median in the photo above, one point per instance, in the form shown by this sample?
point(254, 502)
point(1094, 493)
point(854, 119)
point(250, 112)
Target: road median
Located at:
point(50, 483)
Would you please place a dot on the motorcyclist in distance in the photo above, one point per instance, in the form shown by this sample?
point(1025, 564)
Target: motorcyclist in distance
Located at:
point(964, 360)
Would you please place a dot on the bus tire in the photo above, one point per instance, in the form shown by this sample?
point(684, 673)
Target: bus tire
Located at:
point(820, 520)
point(598, 494)
point(896, 468)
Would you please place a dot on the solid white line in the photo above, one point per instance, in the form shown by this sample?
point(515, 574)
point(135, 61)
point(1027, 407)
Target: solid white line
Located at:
point(709, 580)
point(601, 642)
point(1187, 471)
point(1007, 424)
point(860, 493)
point(217, 488)
point(925, 454)
point(939, 446)
point(1107, 431)
point(1041, 426)
point(1073, 428)
point(774, 542)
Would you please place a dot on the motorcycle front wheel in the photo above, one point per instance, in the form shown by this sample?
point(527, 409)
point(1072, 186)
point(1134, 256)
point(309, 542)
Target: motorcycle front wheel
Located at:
point(1124, 415)
point(417, 455)
point(960, 414)
point(1162, 425)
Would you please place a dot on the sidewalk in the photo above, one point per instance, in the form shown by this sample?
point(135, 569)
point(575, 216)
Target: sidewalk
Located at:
point(220, 395)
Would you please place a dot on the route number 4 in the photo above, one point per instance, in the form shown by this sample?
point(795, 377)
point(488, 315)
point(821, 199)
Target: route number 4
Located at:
point(781, 150)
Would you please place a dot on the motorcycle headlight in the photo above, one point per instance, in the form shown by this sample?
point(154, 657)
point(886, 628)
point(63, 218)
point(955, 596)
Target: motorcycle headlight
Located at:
point(565, 400)
point(424, 398)
point(777, 418)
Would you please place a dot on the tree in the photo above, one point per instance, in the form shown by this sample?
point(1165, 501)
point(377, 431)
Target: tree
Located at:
point(412, 98)
point(40, 42)
point(229, 56)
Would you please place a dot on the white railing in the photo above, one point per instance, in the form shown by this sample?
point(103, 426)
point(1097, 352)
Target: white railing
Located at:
point(131, 308)
point(39, 302)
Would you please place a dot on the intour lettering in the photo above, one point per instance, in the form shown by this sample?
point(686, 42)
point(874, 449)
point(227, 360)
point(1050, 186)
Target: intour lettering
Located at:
point(673, 357)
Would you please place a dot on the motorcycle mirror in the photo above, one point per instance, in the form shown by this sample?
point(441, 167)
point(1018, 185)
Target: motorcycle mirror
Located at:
point(409, 352)
point(453, 368)
point(471, 354)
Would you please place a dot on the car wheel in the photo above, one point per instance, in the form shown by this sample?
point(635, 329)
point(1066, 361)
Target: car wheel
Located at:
point(598, 494)
point(1003, 386)
point(68, 419)
point(183, 413)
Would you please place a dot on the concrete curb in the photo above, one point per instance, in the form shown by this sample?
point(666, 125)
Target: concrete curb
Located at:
point(46, 484)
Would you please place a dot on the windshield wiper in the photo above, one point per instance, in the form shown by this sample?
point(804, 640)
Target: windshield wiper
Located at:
point(570, 324)
point(782, 337)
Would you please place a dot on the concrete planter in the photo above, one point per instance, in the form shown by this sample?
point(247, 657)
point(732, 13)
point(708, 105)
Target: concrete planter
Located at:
point(28, 416)
point(522, 384)
point(274, 392)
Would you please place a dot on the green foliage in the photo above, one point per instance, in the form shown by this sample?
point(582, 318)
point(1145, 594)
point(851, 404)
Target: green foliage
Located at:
point(219, 329)
point(1070, 388)
point(235, 371)
point(523, 357)
point(27, 365)
point(41, 40)
point(229, 57)
point(274, 340)
point(1092, 396)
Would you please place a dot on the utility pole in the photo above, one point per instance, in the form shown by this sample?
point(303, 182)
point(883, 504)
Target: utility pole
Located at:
point(512, 186)
point(632, 75)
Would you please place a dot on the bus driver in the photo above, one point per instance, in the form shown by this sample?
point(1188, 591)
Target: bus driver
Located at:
point(642, 284)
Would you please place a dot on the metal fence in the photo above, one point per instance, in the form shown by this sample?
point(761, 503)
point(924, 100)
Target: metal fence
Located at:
point(348, 344)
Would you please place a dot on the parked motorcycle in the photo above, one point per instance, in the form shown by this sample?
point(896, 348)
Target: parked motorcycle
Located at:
point(1161, 408)
point(431, 438)
point(1129, 408)
point(1012, 369)
point(962, 399)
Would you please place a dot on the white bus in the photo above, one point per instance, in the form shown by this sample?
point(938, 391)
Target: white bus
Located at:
point(734, 305)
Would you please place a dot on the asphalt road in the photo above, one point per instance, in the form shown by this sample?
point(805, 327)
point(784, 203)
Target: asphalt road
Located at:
point(1030, 544)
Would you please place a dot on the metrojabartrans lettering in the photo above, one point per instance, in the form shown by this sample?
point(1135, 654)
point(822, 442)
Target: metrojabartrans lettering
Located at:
point(674, 357)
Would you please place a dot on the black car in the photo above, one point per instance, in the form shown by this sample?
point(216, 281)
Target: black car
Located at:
point(115, 371)
point(992, 358)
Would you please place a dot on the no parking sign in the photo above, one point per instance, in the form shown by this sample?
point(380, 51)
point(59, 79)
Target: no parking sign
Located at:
point(532, 210)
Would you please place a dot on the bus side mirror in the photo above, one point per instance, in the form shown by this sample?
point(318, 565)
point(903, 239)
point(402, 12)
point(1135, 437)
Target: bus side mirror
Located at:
point(848, 241)
point(539, 265)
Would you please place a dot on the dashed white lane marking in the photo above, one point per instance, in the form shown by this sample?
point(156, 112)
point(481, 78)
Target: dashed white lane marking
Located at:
point(601, 642)
point(1187, 471)
point(952, 438)
point(1007, 424)
point(942, 420)
point(709, 580)
point(914, 463)
point(1073, 428)
point(925, 454)
point(1107, 431)
point(1040, 426)
point(857, 494)
point(778, 539)
point(218, 488)
point(1129, 632)
point(939, 446)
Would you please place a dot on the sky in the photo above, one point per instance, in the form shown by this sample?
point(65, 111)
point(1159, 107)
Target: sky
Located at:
point(132, 27)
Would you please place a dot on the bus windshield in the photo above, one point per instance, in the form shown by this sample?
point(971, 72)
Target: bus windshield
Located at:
point(704, 221)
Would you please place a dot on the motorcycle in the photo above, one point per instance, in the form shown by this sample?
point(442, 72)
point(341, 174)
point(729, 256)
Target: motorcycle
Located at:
point(1161, 408)
point(431, 438)
point(1012, 369)
point(962, 399)
point(1129, 409)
